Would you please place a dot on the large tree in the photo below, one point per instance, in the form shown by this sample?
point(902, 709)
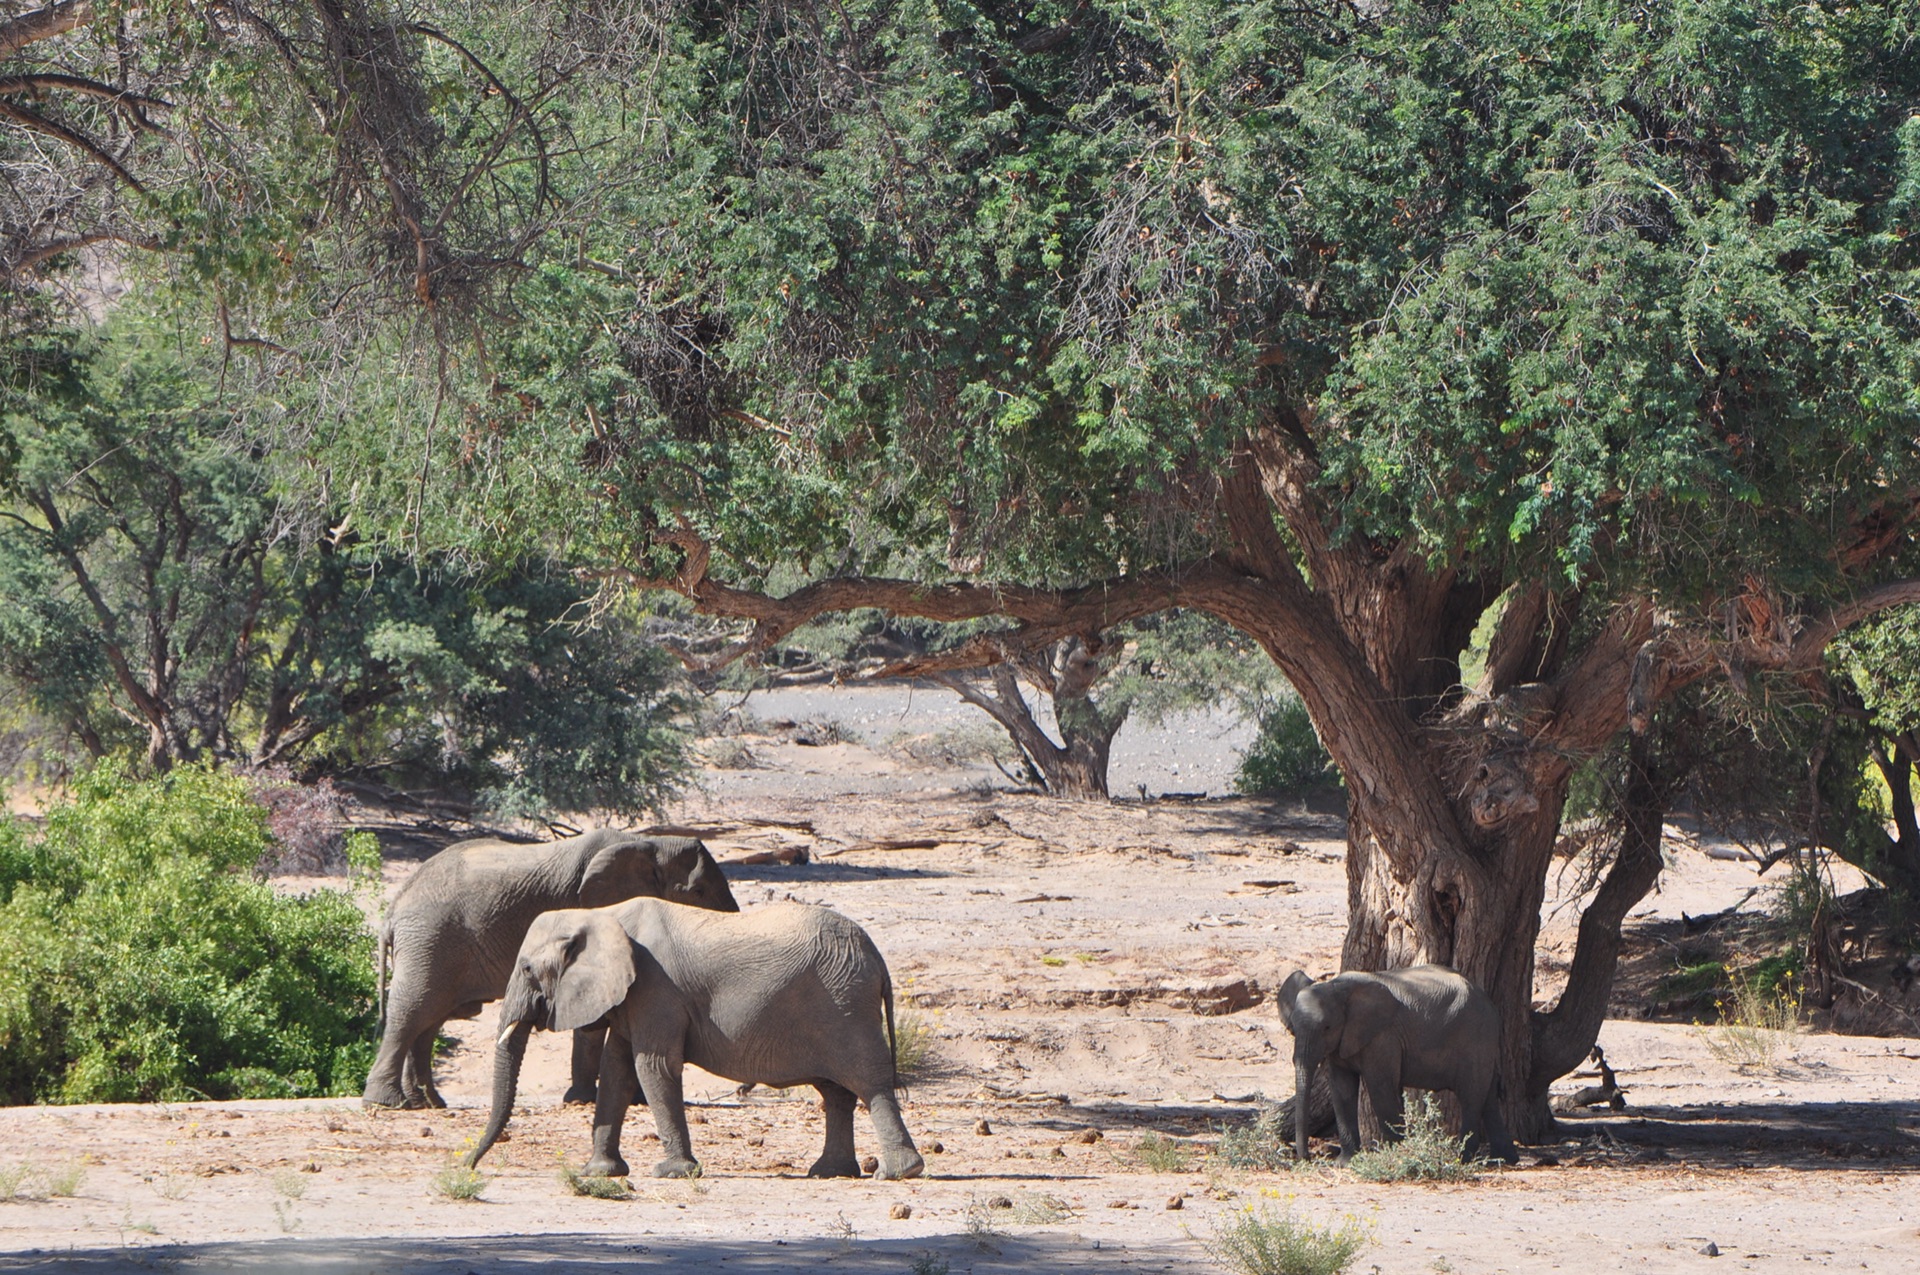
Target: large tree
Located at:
point(1358, 327)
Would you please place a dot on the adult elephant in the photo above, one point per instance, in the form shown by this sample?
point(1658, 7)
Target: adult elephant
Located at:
point(784, 995)
point(453, 929)
point(1425, 1027)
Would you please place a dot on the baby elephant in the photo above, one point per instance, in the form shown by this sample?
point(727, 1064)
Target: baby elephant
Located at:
point(1425, 1028)
point(784, 995)
point(454, 927)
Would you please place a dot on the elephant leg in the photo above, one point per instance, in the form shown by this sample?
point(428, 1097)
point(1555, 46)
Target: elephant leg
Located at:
point(1473, 1118)
point(1346, 1107)
point(419, 1071)
point(659, 1076)
point(615, 1088)
point(898, 1156)
point(589, 1043)
point(388, 1085)
point(837, 1160)
point(1381, 1073)
point(1495, 1124)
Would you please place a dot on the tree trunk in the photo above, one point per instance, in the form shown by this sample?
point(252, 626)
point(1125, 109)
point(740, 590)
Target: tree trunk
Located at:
point(1475, 908)
point(1076, 767)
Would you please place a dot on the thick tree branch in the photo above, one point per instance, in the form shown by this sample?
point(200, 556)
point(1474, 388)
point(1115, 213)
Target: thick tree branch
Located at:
point(1563, 1035)
point(1810, 644)
point(44, 24)
point(60, 132)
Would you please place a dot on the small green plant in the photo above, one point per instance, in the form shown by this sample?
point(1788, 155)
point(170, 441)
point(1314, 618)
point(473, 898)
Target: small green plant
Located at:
point(171, 1186)
point(912, 1042)
point(929, 1264)
point(595, 1186)
point(14, 1182)
point(981, 1232)
point(66, 1180)
point(1053, 961)
point(1754, 1019)
point(290, 1184)
point(1263, 1144)
point(1264, 1241)
point(1162, 1154)
point(1424, 1154)
point(1690, 980)
point(144, 1226)
point(458, 1182)
point(287, 1216)
point(1037, 1209)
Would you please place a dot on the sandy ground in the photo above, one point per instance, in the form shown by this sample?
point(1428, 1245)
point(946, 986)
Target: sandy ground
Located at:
point(1087, 976)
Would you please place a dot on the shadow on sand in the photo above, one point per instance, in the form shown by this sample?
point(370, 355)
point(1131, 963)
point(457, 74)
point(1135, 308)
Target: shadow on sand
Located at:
point(514, 1255)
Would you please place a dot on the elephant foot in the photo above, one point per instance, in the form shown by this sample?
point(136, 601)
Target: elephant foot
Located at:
point(612, 1166)
point(433, 1099)
point(677, 1167)
point(581, 1095)
point(829, 1168)
point(901, 1164)
point(385, 1099)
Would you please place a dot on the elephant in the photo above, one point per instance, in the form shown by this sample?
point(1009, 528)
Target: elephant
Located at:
point(454, 927)
point(785, 995)
point(1425, 1027)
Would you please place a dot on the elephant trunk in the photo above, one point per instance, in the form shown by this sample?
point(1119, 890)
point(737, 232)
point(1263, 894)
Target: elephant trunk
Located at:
point(1302, 1105)
point(507, 1057)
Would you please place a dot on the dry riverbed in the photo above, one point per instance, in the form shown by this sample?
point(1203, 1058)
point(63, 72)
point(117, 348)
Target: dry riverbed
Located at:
point(1085, 978)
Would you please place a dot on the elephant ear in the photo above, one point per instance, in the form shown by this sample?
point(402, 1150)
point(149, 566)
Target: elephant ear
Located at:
point(620, 870)
point(1289, 994)
point(598, 972)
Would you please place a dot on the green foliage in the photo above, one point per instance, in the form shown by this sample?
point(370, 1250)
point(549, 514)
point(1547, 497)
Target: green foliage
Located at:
point(143, 960)
point(1424, 1153)
point(1286, 758)
point(1265, 1143)
point(1163, 1154)
point(595, 1186)
point(1262, 1240)
point(152, 574)
point(912, 1042)
point(459, 1182)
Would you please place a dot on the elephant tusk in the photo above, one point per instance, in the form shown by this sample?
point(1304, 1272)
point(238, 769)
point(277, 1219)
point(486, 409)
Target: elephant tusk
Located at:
point(503, 1035)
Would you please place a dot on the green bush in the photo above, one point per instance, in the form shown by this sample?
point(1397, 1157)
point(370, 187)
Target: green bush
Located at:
point(1286, 758)
point(1426, 1152)
point(141, 959)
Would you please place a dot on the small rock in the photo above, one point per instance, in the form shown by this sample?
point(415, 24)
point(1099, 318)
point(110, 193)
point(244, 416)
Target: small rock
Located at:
point(999, 1202)
point(936, 1148)
point(982, 1128)
point(1710, 1249)
point(1175, 1203)
point(696, 1117)
point(1088, 1136)
point(900, 1212)
point(869, 1164)
point(426, 1131)
point(1119, 1204)
point(1056, 1154)
point(309, 1167)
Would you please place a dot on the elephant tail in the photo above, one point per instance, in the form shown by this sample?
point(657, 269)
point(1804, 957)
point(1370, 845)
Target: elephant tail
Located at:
point(893, 1045)
point(381, 949)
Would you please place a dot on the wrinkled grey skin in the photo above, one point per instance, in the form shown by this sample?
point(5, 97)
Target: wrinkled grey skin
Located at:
point(1422, 1028)
point(784, 995)
point(456, 924)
